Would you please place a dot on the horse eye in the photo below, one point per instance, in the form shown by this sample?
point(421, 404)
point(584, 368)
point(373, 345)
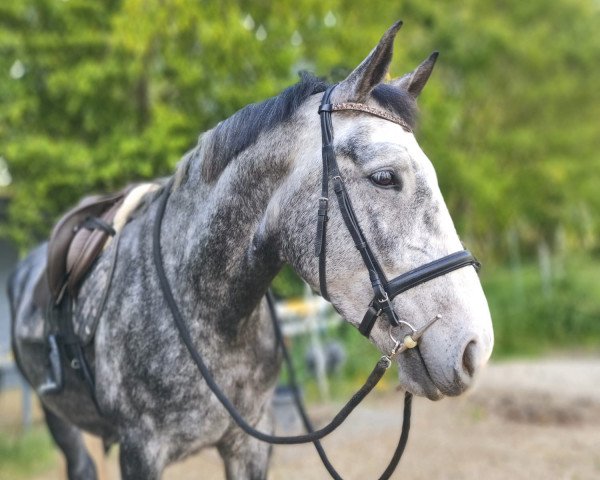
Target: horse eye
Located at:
point(385, 178)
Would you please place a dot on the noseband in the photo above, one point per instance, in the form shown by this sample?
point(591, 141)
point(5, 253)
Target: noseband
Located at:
point(384, 291)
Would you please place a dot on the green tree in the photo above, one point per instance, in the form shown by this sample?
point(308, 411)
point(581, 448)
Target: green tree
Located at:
point(96, 94)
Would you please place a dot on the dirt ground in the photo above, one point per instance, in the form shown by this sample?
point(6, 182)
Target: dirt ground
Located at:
point(525, 420)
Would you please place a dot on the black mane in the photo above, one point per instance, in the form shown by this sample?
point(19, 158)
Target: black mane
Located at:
point(234, 135)
point(240, 131)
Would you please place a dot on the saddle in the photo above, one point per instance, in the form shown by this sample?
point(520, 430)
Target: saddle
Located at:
point(75, 244)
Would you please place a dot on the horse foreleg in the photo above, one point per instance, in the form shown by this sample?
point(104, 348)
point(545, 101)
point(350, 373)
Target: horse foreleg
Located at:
point(68, 437)
point(245, 457)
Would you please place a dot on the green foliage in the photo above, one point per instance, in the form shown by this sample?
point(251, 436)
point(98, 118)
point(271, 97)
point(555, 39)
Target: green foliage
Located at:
point(21, 456)
point(533, 314)
point(287, 284)
point(96, 94)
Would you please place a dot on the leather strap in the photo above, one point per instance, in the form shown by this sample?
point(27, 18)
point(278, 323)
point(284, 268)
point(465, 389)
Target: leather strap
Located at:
point(97, 223)
point(402, 441)
point(322, 218)
point(368, 321)
point(331, 170)
point(361, 107)
point(431, 270)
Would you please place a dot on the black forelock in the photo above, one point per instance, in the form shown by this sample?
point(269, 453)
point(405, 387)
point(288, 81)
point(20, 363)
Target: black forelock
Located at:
point(397, 101)
point(240, 131)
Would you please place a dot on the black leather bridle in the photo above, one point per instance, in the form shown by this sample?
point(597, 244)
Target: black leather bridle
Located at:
point(384, 291)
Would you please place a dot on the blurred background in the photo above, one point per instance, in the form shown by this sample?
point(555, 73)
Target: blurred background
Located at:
point(95, 94)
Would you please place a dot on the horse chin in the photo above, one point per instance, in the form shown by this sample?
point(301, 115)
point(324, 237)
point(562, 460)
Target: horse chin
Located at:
point(428, 391)
point(414, 376)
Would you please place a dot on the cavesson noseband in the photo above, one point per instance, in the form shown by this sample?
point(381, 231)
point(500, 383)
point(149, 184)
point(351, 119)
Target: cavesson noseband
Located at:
point(384, 291)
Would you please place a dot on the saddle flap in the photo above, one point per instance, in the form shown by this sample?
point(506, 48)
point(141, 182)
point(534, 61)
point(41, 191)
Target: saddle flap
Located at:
point(85, 247)
point(64, 233)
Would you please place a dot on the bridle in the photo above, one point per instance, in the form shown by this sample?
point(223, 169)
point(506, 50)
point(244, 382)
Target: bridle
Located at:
point(384, 292)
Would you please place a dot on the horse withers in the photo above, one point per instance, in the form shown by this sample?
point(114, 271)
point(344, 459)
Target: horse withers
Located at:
point(241, 205)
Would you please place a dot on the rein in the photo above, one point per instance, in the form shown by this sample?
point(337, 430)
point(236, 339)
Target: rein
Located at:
point(314, 435)
point(306, 420)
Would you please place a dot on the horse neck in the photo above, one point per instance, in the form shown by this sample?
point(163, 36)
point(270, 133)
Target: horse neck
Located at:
point(219, 266)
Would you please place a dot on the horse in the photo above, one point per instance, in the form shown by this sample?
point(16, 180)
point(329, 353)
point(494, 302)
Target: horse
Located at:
point(242, 205)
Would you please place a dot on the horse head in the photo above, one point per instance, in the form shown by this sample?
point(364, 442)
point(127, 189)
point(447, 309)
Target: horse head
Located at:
point(398, 205)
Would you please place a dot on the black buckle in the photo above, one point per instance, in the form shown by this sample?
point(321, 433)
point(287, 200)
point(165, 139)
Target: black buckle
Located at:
point(323, 207)
point(325, 107)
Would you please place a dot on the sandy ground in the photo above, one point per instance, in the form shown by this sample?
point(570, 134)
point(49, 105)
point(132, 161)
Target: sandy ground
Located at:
point(525, 420)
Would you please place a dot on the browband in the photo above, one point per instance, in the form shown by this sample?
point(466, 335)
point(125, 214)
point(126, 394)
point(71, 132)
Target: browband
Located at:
point(361, 107)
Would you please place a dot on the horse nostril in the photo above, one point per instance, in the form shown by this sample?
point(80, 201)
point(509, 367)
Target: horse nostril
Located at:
point(469, 360)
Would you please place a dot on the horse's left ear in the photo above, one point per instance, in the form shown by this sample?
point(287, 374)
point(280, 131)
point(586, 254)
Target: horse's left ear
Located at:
point(372, 70)
point(414, 81)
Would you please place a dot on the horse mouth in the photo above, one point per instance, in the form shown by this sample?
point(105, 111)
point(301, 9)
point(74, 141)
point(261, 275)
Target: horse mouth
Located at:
point(415, 377)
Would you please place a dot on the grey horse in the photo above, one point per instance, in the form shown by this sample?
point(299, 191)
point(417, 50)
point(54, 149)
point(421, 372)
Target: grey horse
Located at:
point(243, 205)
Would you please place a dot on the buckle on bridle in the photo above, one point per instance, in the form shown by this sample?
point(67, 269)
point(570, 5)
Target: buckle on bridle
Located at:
point(384, 304)
point(323, 207)
point(384, 296)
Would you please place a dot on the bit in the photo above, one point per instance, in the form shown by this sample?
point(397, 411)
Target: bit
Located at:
point(412, 340)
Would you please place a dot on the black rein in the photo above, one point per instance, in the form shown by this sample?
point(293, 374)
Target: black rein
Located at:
point(313, 436)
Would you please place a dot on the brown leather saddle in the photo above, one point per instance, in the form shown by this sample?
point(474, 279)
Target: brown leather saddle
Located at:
point(75, 243)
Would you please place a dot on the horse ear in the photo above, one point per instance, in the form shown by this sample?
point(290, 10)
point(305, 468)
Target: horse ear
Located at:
point(414, 81)
point(372, 70)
